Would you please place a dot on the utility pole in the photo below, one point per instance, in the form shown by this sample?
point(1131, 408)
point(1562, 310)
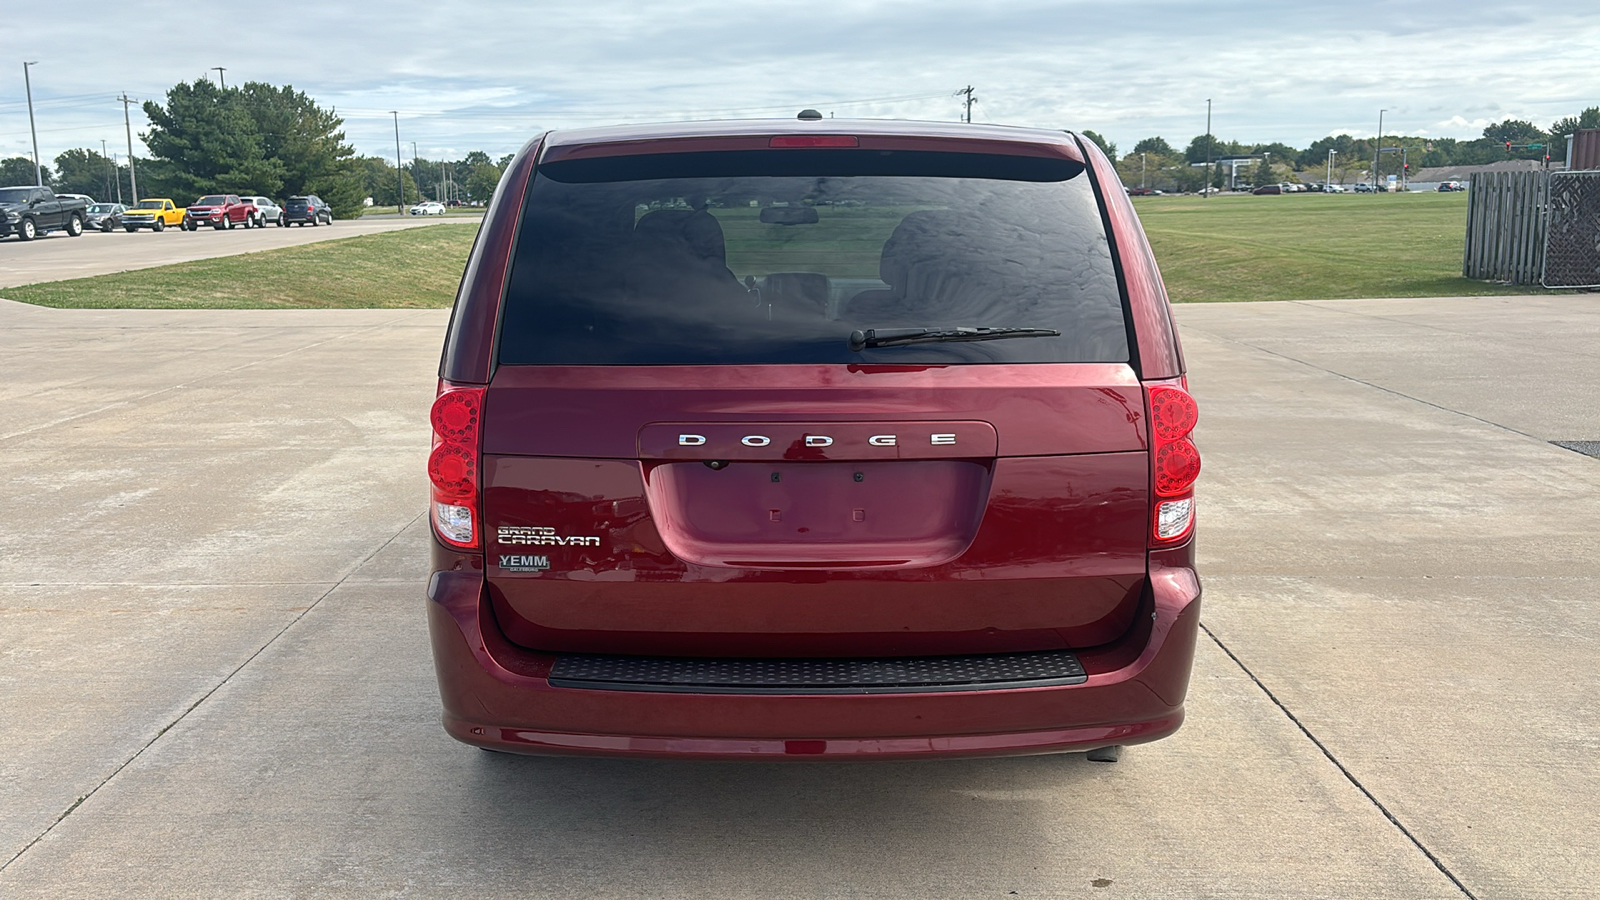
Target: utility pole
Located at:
point(399, 173)
point(1378, 153)
point(1205, 192)
point(970, 100)
point(133, 177)
point(111, 171)
point(38, 171)
point(443, 174)
point(220, 82)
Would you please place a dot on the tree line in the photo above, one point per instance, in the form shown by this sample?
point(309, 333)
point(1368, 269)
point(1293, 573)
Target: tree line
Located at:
point(276, 141)
point(257, 138)
point(1155, 163)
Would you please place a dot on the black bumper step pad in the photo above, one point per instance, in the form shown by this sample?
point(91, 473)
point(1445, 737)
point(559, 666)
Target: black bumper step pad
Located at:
point(897, 675)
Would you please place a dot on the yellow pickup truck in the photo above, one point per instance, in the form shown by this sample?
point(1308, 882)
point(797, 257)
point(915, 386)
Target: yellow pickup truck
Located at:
point(152, 213)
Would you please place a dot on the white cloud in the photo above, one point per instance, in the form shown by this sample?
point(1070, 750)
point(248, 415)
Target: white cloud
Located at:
point(490, 73)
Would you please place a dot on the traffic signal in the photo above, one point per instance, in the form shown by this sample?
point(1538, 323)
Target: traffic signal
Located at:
point(1508, 146)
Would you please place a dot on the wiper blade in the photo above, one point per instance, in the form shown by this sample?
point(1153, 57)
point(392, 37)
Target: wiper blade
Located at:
point(900, 337)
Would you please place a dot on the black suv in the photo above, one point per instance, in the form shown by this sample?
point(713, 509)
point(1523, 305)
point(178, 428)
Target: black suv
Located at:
point(307, 210)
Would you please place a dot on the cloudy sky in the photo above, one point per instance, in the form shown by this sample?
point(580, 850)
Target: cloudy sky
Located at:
point(488, 74)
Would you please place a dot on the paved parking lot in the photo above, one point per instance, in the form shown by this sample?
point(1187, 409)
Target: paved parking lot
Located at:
point(214, 676)
point(54, 257)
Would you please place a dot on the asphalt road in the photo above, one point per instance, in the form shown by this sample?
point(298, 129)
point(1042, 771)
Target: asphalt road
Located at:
point(55, 256)
point(215, 681)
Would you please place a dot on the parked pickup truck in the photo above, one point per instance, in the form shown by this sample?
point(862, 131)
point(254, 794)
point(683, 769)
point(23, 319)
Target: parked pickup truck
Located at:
point(154, 213)
point(28, 212)
point(221, 211)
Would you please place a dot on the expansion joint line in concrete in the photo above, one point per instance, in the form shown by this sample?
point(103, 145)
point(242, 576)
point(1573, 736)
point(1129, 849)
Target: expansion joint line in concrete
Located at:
point(1343, 770)
point(343, 335)
point(204, 697)
point(1377, 387)
point(1530, 344)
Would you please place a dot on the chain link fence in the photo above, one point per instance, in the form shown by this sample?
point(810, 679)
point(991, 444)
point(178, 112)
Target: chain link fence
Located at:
point(1572, 235)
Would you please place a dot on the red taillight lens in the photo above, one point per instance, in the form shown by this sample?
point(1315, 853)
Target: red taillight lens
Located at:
point(814, 140)
point(453, 469)
point(1175, 460)
point(1177, 467)
point(1173, 413)
point(453, 465)
point(455, 414)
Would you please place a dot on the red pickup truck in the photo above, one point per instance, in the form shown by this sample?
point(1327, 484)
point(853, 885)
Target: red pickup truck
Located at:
point(219, 211)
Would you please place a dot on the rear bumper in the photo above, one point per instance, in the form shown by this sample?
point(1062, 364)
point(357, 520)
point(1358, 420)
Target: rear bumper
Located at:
point(498, 695)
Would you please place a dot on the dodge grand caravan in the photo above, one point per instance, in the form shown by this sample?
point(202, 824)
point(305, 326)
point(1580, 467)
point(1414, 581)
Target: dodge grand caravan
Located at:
point(812, 440)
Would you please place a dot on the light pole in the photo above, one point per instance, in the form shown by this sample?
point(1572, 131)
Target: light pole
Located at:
point(38, 171)
point(220, 82)
point(1331, 155)
point(399, 173)
point(1205, 192)
point(1141, 170)
point(1377, 153)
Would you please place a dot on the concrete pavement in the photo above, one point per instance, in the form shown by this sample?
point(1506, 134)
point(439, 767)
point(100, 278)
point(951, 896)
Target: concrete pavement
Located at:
point(214, 676)
point(55, 257)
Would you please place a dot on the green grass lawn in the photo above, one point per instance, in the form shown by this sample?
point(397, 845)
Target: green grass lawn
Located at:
point(1312, 246)
point(414, 267)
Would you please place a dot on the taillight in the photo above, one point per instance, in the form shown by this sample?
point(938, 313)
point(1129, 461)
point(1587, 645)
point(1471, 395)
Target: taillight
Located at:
point(814, 140)
point(1175, 461)
point(457, 418)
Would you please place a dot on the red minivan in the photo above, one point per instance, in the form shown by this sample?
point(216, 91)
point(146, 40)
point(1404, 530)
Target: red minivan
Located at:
point(812, 440)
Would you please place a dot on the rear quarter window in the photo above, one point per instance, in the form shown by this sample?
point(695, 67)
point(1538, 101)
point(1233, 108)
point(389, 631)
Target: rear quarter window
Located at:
point(778, 256)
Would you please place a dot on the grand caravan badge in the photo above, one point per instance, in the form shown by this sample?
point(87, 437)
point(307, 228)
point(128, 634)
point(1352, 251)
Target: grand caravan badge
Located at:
point(539, 536)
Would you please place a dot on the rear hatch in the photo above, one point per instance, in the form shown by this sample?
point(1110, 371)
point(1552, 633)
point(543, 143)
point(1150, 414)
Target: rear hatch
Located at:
point(805, 402)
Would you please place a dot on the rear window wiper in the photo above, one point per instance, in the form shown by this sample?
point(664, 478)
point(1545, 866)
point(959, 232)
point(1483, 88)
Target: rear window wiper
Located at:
point(900, 337)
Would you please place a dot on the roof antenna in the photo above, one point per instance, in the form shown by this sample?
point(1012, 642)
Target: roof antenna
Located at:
point(809, 115)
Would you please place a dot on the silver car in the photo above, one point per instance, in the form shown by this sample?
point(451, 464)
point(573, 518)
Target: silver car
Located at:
point(267, 210)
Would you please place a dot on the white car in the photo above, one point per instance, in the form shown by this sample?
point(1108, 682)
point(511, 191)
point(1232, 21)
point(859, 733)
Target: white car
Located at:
point(429, 208)
point(267, 210)
point(1333, 189)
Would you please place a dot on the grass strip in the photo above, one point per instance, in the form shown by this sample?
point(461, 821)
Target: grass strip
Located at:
point(410, 268)
point(1312, 246)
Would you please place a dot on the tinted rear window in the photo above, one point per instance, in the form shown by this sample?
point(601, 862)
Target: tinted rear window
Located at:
point(777, 256)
